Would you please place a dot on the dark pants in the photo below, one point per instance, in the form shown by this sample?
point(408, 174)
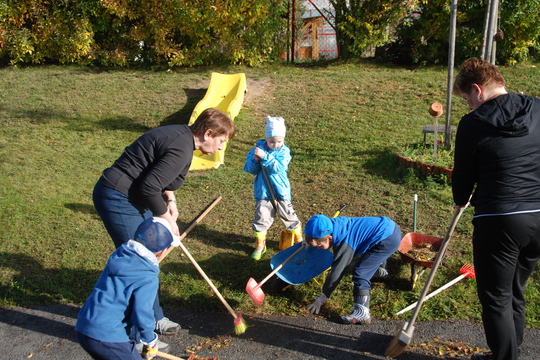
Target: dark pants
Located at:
point(506, 251)
point(370, 261)
point(121, 218)
point(101, 350)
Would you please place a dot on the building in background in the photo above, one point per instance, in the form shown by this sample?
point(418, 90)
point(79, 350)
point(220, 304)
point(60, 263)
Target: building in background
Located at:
point(318, 36)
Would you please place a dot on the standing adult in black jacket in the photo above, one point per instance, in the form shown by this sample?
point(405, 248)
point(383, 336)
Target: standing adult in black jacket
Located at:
point(498, 150)
point(141, 182)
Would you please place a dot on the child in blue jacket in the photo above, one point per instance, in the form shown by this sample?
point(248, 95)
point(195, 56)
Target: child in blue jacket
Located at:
point(123, 297)
point(274, 156)
point(375, 238)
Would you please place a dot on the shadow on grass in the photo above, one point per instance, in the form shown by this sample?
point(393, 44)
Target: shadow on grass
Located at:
point(383, 163)
point(181, 117)
point(33, 284)
point(82, 208)
point(43, 117)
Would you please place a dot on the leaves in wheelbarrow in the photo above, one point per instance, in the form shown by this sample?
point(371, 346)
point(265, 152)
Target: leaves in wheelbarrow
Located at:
point(422, 252)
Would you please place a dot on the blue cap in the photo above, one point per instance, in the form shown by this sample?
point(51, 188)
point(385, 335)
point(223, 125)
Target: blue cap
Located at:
point(155, 234)
point(318, 226)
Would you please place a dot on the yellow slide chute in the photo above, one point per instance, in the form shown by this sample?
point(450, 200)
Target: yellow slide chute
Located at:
point(225, 93)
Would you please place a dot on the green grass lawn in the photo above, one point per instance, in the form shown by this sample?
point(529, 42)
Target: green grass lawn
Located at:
point(61, 126)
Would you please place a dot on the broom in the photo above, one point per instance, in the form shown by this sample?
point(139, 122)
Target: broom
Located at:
point(240, 325)
point(402, 339)
point(195, 222)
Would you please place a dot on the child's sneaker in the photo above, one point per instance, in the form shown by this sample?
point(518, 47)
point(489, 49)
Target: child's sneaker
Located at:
point(166, 326)
point(359, 315)
point(259, 250)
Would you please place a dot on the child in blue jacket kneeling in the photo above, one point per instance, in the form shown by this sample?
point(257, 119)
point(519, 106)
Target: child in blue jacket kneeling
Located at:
point(375, 238)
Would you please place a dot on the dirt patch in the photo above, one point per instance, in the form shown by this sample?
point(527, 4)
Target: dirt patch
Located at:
point(259, 92)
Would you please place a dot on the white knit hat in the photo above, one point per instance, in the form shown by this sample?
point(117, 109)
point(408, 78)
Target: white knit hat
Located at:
point(275, 126)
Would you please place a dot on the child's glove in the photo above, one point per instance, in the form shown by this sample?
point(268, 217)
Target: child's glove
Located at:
point(176, 241)
point(316, 306)
point(150, 349)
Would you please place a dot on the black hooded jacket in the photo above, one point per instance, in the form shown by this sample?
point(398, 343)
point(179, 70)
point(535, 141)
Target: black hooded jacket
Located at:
point(498, 149)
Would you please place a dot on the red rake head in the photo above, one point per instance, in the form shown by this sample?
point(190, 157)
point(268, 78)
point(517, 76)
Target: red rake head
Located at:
point(468, 271)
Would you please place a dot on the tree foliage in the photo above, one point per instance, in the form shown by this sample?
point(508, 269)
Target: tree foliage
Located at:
point(361, 24)
point(196, 32)
point(122, 32)
point(423, 36)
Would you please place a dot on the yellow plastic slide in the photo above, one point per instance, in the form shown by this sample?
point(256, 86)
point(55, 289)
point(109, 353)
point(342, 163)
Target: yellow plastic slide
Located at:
point(225, 93)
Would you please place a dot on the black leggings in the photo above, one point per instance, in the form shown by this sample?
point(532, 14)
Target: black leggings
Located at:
point(506, 251)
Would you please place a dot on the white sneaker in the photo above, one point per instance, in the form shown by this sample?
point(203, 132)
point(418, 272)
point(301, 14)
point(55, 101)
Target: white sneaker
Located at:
point(359, 315)
point(166, 326)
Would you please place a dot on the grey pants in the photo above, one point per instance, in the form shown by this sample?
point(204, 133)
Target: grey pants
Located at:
point(265, 214)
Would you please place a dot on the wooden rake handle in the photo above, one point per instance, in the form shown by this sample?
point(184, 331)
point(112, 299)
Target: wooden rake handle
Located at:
point(195, 222)
point(269, 184)
point(208, 281)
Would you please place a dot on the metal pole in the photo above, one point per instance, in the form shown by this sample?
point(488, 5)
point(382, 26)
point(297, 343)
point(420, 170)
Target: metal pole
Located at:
point(451, 52)
point(491, 31)
point(486, 26)
point(293, 31)
point(288, 31)
point(495, 27)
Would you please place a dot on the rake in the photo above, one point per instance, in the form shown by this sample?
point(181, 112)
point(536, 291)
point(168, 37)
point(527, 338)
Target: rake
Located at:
point(466, 270)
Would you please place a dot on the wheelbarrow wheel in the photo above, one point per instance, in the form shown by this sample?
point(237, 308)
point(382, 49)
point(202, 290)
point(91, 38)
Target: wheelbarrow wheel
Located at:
point(277, 285)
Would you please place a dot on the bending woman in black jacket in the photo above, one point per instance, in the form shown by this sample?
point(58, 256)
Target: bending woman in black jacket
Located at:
point(141, 182)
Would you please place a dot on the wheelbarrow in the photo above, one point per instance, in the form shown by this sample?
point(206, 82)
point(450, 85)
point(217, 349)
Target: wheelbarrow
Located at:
point(419, 250)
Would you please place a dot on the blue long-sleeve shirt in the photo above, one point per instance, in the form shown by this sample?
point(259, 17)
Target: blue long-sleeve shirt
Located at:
point(352, 237)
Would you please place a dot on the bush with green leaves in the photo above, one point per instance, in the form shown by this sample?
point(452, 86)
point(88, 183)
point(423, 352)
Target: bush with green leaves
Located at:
point(423, 36)
point(155, 32)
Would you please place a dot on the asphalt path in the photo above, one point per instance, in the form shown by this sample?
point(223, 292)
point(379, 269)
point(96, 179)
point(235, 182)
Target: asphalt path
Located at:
point(46, 332)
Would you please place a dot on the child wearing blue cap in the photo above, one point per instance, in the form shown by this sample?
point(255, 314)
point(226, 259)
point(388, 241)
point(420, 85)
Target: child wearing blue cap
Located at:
point(274, 156)
point(121, 304)
point(375, 238)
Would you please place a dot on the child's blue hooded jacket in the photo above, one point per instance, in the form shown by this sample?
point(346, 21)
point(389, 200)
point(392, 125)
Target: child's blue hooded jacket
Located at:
point(276, 162)
point(123, 295)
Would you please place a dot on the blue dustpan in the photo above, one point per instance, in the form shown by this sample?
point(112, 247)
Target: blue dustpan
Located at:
point(304, 266)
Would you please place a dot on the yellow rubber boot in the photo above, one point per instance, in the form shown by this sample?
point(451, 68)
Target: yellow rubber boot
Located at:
point(286, 240)
point(261, 245)
point(297, 233)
